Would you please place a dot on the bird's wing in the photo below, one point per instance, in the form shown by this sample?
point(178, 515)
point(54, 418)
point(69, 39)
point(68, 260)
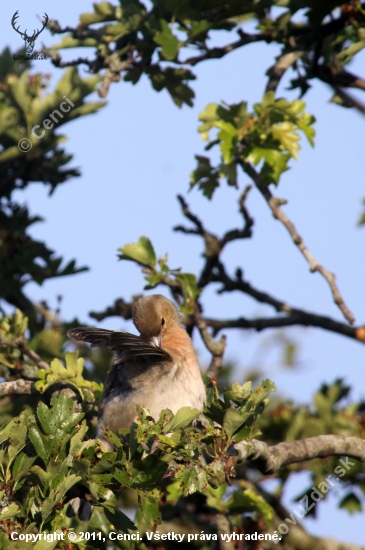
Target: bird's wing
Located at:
point(126, 346)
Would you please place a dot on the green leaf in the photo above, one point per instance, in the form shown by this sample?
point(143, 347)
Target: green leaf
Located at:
point(16, 431)
point(192, 479)
point(168, 41)
point(174, 80)
point(215, 497)
point(9, 512)
point(233, 420)
point(149, 503)
point(76, 440)
point(190, 291)
point(351, 503)
point(21, 464)
point(148, 471)
point(142, 252)
point(287, 137)
point(275, 163)
point(182, 418)
point(41, 445)
point(205, 176)
point(104, 11)
point(72, 373)
point(56, 495)
point(119, 520)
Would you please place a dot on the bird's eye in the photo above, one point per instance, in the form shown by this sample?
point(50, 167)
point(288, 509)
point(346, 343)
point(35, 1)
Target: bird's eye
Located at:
point(162, 322)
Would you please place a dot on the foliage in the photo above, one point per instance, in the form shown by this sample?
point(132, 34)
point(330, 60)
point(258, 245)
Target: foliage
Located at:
point(25, 103)
point(44, 455)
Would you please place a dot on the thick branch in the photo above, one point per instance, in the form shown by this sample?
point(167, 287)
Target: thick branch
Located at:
point(313, 263)
point(19, 387)
point(274, 457)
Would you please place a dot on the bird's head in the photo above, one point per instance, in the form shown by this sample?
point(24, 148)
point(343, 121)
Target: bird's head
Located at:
point(154, 316)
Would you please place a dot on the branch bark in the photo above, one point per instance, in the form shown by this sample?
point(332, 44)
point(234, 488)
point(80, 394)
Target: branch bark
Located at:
point(218, 53)
point(272, 458)
point(274, 204)
point(18, 387)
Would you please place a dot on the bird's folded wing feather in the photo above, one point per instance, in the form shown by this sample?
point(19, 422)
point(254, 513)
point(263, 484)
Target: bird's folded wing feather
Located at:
point(126, 346)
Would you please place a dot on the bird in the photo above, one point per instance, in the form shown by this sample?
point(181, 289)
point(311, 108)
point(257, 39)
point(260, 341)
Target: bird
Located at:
point(158, 369)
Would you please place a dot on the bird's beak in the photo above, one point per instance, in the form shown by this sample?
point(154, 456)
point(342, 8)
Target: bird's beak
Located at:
point(157, 340)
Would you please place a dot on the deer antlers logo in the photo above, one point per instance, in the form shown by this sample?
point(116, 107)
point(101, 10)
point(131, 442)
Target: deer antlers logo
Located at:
point(29, 40)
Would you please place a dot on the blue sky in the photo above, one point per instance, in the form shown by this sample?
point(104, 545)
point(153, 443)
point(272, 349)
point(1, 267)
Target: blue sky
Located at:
point(136, 155)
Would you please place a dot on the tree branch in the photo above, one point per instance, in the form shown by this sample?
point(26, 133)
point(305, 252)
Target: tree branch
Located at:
point(215, 348)
point(120, 308)
point(213, 244)
point(295, 316)
point(349, 100)
point(217, 53)
point(19, 387)
point(274, 204)
point(272, 458)
point(276, 71)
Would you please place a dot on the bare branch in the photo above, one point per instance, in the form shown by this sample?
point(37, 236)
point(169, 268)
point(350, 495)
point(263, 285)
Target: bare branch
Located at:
point(120, 308)
point(304, 319)
point(246, 231)
point(349, 100)
point(295, 316)
point(19, 387)
point(215, 348)
point(342, 78)
point(274, 204)
point(217, 53)
point(214, 245)
point(291, 452)
point(276, 71)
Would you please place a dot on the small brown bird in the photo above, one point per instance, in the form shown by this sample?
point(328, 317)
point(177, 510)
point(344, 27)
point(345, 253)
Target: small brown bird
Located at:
point(158, 369)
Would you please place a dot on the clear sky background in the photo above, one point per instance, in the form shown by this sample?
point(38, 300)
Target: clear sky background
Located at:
point(136, 155)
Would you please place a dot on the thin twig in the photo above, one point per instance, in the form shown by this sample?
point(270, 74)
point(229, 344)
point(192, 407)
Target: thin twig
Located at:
point(295, 316)
point(217, 53)
point(313, 263)
point(213, 244)
point(216, 348)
